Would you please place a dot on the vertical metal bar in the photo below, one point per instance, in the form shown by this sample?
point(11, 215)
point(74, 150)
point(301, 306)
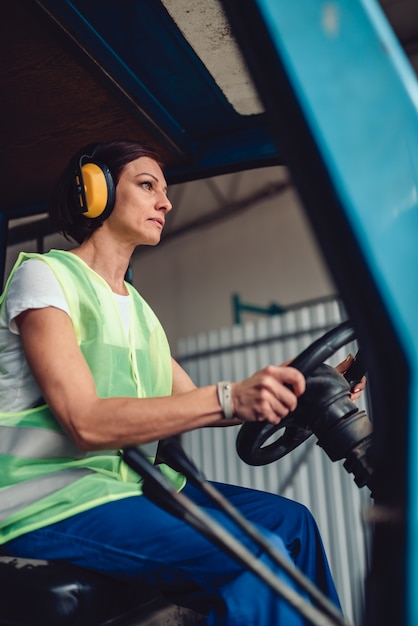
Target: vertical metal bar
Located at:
point(4, 223)
point(236, 308)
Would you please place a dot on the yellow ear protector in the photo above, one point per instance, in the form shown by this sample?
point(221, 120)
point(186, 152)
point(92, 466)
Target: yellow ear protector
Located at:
point(95, 189)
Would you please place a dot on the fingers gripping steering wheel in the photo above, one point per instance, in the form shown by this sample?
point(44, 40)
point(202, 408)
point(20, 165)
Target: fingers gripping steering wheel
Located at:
point(253, 435)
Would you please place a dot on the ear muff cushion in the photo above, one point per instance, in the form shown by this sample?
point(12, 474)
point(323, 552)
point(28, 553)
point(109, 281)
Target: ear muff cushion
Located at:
point(99, 190)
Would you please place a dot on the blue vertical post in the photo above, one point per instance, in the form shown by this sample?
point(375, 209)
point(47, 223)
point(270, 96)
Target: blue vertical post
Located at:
point(342, 101)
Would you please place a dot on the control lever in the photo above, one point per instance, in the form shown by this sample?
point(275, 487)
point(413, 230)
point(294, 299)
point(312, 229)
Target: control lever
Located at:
point(356, 371)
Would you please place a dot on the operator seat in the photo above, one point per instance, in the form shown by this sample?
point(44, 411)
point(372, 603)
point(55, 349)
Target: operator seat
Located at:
point(48, 593)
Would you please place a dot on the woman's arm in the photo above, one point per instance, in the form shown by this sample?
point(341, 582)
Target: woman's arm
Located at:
point(181, 380)
point(68, 387)
point(183, 383)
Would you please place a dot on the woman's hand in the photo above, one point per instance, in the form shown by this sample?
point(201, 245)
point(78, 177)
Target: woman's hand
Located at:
point(342, 368)
point(269, 394)
point(359, 386)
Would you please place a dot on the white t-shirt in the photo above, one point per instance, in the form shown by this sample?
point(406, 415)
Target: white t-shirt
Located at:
point(33, 286)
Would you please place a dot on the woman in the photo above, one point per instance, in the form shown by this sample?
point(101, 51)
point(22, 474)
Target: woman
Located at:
point(85, 370)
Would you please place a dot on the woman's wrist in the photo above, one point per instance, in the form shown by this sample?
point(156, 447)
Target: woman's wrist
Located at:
point(225, 399)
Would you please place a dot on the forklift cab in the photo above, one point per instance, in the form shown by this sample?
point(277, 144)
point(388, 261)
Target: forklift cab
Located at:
point(339, 108)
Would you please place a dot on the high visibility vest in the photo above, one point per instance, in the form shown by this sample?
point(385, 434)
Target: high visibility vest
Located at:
point(44, 478)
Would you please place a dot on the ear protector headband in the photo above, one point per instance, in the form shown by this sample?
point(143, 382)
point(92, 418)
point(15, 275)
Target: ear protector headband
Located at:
point(94, 188)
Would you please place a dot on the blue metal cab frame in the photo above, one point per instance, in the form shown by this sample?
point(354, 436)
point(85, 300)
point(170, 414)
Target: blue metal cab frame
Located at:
point(342, 101)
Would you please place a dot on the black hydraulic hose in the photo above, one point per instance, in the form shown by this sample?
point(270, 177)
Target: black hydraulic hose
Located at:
point(159, 490)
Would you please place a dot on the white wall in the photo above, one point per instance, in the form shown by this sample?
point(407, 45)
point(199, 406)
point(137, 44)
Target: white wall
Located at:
point(265, 253)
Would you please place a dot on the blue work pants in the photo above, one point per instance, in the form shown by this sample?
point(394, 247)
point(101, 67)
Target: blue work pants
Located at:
point(134, 539)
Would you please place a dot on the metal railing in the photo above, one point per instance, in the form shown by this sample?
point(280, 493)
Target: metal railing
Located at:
point(307, 474)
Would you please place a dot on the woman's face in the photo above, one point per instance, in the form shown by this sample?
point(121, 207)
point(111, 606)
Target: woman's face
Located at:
point(141, 204)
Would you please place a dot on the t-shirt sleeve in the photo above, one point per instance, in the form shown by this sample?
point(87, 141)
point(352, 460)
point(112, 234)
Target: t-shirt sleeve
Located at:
point(33, 286)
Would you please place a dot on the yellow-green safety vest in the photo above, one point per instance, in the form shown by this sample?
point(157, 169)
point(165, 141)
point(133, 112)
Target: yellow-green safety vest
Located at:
point(44, 478)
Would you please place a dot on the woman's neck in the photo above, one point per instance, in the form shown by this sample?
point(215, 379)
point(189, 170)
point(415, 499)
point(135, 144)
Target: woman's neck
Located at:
point(110, 264)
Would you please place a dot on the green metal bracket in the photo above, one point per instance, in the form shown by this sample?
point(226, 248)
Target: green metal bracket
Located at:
point(239, 306)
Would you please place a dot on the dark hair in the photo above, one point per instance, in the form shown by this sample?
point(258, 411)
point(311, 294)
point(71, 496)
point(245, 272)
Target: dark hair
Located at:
point(64, 210)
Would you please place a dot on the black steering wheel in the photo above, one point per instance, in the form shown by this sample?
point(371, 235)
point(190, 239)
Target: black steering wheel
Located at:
point(253, 435)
